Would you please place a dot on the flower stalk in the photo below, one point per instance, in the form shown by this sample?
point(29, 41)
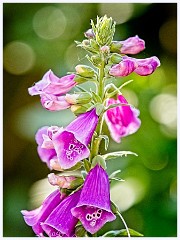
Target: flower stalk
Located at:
point(82, 205)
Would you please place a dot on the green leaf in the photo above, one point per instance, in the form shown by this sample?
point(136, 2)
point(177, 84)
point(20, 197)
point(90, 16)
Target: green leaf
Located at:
point(98, 160)
point(117, 154)
point(106, 140)
point(122, 233)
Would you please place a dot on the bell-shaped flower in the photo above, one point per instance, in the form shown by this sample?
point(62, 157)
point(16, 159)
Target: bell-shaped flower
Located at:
point(45, 147)
point(51, 84)
point(123, 68)
point(54, 103)
point(122, 120)
point(36, 217)
point(71, 144)
point(93, 208)
point(132, 45)
point(61, 222)
point(147, 66)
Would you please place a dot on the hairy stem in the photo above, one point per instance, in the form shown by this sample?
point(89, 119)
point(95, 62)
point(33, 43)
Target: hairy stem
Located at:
point(95, 143)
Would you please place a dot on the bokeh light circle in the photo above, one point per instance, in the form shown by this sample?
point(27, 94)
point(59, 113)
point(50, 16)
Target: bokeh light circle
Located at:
point(49, 22)
point(120, 12)
point(18, 57)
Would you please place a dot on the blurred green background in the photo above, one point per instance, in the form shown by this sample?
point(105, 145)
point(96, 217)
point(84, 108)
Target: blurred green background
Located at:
point(39, 37)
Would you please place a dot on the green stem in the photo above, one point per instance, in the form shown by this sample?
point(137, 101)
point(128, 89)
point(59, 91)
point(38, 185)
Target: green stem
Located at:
point(95, 143)
point(119, 214)
point(101, 77)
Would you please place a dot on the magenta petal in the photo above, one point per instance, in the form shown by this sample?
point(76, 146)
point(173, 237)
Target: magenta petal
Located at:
point(124, 68)
point(69, 150)
point(147, 66)
point(122, 120)
point(84, 126)
point(132, 45)
point(35, 217)
point(93, 208)
point(71, 144)
point(61, 220)
point(45, 154)
point(51, 84)
point(54, 103)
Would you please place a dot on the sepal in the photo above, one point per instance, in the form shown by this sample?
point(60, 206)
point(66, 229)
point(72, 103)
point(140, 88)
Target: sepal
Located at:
point(98, 160)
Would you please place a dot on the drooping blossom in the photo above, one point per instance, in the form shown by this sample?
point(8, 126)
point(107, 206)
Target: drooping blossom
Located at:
point(142, 67)
point(122, 120)
point(45, 147)
point(51, 84)
point(93, 208)
point(35, 218)
point(123, 68)
point(61, 222)
point(61, 181)
point(71, 144)
point(147, 66)
point(54, 103)
point(132, 45)
point(51, 88)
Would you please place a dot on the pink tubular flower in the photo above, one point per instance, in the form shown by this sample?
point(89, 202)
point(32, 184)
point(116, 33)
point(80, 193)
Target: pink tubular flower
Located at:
point(61, 181)
point(132, 45)
point(93, 208)
point(36, 217)
point(61, 222)
point(71, 143)
point(122, 120)
point(124, 68)
point(147, 66)
point(51, 84)
point(45, 147)
point(54, 103)
point(51, 88)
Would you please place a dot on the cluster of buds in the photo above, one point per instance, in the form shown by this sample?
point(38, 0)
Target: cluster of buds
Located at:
point(81, 205)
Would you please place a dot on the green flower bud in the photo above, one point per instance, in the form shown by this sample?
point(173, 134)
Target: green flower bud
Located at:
point(104, 30)
point(96, 60)
point(115, 58)
point(85, 71)
point(79, 109)
point(81, 98)
point(115, 47)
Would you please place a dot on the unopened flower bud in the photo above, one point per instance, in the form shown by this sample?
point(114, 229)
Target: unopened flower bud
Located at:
point(104, 30)
point(115, 58)
point(84, 71)
point(79, 98)
point(89, 33)
point(61, 181)
point(132, 45)
point(78, 109)
point(96, 60)
point(54, 164)
point(115, 46)
point(105, 49)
